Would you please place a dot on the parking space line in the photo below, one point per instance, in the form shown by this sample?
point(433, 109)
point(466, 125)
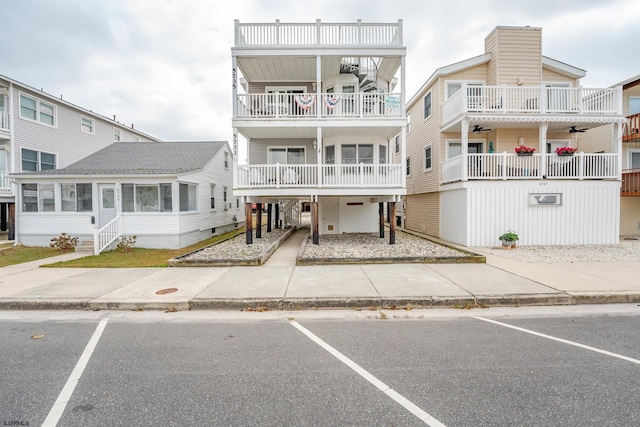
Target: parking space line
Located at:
point(397, 397)
point(65, 395)
point(575, 344)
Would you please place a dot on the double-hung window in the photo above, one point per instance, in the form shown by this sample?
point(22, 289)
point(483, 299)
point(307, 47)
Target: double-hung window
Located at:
point(37, 160)
point(188, 197)
point(213, 196)
point(117, 135)
point(428, 157)
point(36, 110)
point(38, 198)
point(76, 198)
point(427, 105)
point(87, 125)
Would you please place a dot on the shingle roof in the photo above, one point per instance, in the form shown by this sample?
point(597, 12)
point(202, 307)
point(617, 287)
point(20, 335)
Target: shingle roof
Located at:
point(142, 158)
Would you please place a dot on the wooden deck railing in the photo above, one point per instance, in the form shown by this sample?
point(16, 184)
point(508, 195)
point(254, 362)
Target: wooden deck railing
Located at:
point(318, 34)
point(630, 183)
point(531, 99)
point(632, 129)
point(362, 175)
point(307, 105)
point(508, 166)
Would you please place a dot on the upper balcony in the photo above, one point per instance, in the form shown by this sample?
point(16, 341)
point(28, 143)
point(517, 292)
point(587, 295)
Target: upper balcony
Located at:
point(632, 129)
point(318, 34)
point(630, 183)
point(531, 99)
point(306, 106)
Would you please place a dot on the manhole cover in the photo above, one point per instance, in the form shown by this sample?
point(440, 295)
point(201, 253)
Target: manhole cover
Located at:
point(166, 291)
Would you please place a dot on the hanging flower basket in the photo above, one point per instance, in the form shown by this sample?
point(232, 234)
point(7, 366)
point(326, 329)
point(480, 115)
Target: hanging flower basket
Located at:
point(566, 151)
point(522, 150)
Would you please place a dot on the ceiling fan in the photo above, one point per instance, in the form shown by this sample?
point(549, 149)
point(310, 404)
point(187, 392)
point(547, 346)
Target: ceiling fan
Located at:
point(574, 130)
point(478, 129)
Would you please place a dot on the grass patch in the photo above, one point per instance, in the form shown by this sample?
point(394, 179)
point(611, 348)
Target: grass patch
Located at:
point(19, 254)
point(139, 257)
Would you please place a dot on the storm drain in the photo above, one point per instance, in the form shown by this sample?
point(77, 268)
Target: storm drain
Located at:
point(166, 291)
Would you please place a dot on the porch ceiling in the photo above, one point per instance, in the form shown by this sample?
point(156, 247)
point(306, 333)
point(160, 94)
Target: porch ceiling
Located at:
point(386, 132)
point(286, 68)
point(556, 124)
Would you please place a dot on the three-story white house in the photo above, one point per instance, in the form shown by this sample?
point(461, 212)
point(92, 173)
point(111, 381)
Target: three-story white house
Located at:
point(318, 104)
point(39, 131)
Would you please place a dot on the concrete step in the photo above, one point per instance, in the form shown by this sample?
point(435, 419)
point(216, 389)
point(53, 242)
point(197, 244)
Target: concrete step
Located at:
point(85, 247)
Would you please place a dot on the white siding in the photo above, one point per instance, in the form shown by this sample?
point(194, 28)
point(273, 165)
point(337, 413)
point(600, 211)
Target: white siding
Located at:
point(589, 213)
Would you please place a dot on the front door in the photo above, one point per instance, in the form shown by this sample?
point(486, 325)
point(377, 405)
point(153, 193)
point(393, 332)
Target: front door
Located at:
point(107, 211)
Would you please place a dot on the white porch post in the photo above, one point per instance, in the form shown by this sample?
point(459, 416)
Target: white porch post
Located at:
point(464, 148)
point(616, 143)
point(319, 155)
point(235, 158)
point(542, 148)
point(403, 155)
point(402, 83)
point(234, 86)
point(318, 87)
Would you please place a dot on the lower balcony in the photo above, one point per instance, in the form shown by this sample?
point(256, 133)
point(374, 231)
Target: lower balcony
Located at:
point(630, 183)
point(337, 176)
point(509, 166)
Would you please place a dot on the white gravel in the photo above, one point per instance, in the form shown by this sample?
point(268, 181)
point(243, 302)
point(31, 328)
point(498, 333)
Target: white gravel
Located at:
point(367, 245)
point(237, 248)
point(626, 250)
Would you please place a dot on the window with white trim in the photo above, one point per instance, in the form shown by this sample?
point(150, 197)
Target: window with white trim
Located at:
point(36, 110)
point(87, 125)
point(428, 158)
point(188, 197)
point(287, 155)
point(357, 153)
point(408, 124)
point(117, 135)
point(34, 161)
point(226, 160)
point(634, 105)
point(136, 138)
point(38, 198)
point(634, 158)
point(213, 197)
point(408, 165)
point(427, 105)
point(76, 197)
point(147, 198)
point(224, 197)
point(397, 144)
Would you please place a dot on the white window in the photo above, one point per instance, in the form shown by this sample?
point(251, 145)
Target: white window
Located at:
point(136, 138)
point(37, 161)
point(76, 198)
point(226, 160)
point(357, 153)
point(38, 198)
point(409, 166)
point(427, 106)
point(330, 154)
point(634, 105)
point(224, 197)
point(408, 124)
point(188, 197)
point(428, 158)
point(287, 155)
point(146, 198)
point(117, 135)
point(634, 159)
point(87, 125)
point(454, 147)
point(37, 110)
point(397, 144)
point(213, 196)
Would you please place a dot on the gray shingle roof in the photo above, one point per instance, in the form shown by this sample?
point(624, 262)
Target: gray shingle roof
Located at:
point(143, 158)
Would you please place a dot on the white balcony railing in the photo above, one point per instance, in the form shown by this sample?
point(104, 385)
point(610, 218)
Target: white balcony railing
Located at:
point(306, 176)
point(538, 166)
point(531, 99)
point(307, 106)
point(4, 180)
point(4, 122)
point(318, 34)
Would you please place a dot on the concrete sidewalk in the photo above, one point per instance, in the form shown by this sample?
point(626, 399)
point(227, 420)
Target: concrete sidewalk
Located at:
point(279, 284)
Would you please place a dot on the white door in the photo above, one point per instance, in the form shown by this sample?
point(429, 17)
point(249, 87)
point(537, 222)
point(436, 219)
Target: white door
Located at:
point(107, 210)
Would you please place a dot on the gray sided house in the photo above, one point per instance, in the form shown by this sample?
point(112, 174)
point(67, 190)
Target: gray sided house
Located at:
point(168, 194)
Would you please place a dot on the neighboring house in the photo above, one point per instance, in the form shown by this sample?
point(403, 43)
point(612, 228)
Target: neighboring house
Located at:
point(601, 138)
point(39, 131)
point(167, 194)
point(319, 111)
point(467, 184)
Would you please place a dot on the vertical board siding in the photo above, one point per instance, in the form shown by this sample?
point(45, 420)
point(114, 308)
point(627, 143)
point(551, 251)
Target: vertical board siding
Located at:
point(589, 214)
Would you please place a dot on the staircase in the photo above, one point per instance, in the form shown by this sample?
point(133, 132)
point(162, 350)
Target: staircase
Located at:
point(291, 209)
point(86, 246)
point(366, 69)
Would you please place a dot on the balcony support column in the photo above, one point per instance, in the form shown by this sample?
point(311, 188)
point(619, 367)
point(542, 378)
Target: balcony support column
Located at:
point(381, 218)
point(248, 223)
point(542, 148)
point(464, 148)
point(319, 160)
point(318, 87)
point(269, 209)
point(277, 215)
point(392, 224)
point(258, 220)
point(314, 220)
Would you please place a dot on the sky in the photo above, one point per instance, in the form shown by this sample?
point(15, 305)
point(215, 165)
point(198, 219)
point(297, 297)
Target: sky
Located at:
point(165, 65)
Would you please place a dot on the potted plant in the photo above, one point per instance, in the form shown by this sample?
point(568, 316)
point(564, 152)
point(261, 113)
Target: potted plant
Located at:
point(566, 151)
point(509, 239)
point(523, 150)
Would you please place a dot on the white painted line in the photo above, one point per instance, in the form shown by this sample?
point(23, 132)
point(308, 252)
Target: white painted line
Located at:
point(575, 344)
point(404, 402)
point(65, 395)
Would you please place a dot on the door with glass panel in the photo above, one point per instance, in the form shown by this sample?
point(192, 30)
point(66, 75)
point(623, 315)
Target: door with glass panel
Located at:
point(107, 200)
point(291, 160)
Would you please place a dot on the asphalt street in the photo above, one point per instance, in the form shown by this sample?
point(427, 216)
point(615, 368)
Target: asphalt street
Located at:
point(494, 367)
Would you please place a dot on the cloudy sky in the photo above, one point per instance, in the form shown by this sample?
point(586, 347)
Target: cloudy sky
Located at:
point(165, 65)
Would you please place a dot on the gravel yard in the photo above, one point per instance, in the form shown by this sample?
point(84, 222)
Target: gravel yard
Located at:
point(626, 250)
point(237, 248)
